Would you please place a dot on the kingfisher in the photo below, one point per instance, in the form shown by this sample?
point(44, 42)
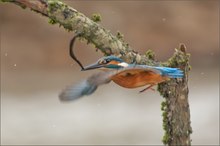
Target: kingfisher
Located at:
point(124, 74)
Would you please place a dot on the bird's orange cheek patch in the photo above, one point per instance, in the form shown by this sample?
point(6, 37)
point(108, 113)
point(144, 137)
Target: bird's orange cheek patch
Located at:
point(113, 62)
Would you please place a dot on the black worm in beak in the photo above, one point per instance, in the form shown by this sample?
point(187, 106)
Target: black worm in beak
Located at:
point(72, 55)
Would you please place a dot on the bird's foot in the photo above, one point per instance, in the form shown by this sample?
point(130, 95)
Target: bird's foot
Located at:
point(149, 87)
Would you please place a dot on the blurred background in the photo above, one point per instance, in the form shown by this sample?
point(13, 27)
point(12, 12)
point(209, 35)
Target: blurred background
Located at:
point(35, 67)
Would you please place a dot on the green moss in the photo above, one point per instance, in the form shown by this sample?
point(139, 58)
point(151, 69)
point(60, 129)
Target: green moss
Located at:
point(7, 0)
point(119, 35)
point(54, 5)
point(57, 7)
point(163, 105)
point(68, 27)
point(150, 54)
point(190, 131)
point(171, 62)
point(52, 21)
point(160, 88)
point(22, 6)
point(126, 45)
point(190, 67)
point(56, 10)
point(166, 138)
point(96, 17)
point(178, 59)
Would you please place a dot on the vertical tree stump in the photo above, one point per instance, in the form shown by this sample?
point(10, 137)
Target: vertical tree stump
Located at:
point(176, 112)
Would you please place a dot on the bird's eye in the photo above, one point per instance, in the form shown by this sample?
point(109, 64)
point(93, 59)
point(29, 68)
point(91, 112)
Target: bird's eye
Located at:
point(104, 61)
point(107, 60)
point(101, 62)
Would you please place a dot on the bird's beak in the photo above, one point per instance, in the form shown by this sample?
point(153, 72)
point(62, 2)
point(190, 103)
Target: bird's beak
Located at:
point(92, 66)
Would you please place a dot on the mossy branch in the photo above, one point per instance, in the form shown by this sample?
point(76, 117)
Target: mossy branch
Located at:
point(176, 115)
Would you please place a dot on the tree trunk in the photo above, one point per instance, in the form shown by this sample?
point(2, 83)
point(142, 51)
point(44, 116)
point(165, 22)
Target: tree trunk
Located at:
point(176, 113)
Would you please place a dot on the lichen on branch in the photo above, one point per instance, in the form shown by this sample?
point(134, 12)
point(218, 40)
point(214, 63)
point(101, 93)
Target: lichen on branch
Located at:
point(175, 108)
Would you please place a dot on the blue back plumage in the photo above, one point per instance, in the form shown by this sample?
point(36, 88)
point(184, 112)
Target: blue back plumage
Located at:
point(112, 57)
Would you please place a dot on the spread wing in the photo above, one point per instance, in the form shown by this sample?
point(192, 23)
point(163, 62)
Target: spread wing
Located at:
point(86, 87)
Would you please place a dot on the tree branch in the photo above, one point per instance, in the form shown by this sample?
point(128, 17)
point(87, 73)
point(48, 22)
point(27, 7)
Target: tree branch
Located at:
point(73, 20)
point(176, 114)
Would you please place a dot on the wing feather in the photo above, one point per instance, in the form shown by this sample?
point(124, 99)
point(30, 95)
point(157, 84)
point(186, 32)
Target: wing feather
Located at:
point(86, 87)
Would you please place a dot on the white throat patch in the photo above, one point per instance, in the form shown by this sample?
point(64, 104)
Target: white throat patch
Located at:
point(123, 64)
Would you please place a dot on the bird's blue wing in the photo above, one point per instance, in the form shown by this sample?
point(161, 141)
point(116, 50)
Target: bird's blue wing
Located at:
point(77, 90)
point(86, 87)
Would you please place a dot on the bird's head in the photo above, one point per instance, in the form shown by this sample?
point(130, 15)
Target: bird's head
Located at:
point(108, 62)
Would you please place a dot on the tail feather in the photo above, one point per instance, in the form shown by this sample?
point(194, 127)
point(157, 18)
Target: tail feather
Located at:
point(170, 72)
point(164, 71)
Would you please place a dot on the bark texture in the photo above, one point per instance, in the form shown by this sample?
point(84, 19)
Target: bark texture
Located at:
point(176, 114)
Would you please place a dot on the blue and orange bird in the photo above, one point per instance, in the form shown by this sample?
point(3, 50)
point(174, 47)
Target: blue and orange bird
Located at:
point(123, 74)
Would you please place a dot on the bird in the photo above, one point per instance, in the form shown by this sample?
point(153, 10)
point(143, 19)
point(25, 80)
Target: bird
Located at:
point(122, 73)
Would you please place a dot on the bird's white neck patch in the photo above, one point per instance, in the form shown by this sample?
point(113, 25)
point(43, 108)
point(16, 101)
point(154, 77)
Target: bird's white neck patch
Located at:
point(123, 64)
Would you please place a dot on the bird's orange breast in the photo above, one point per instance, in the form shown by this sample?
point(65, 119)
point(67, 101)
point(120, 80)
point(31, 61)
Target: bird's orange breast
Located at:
point(133, 78)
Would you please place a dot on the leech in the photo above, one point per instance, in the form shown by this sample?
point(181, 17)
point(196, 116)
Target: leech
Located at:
point(72, 55)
